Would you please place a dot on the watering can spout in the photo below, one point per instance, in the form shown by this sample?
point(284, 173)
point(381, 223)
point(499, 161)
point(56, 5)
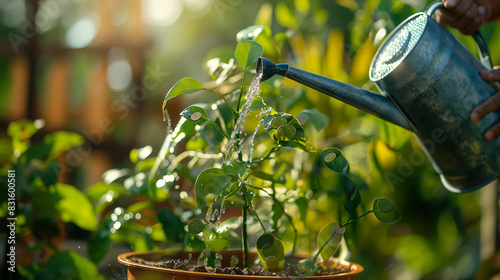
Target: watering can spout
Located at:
point(365, 100)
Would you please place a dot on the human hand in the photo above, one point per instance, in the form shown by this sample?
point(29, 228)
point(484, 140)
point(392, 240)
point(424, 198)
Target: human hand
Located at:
point(490, 105)
point(465, 15)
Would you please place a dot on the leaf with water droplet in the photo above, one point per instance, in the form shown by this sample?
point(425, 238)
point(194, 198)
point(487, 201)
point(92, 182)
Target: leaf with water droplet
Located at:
point(336, 162)
point(247, 52)
point(332, 243)
point(195, 114)
point(183, 86)
point(384, 210)
point(236, 168)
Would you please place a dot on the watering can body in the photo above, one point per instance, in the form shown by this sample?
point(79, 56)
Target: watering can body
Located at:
point(430, 84)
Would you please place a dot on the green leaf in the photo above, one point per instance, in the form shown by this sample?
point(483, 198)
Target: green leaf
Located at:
point(97, 190)
point(213, 182)
point(172, 225)
point(99, 243)
point(393, 136)
point(196, 226)
point(332, 243)
point(335, 160)
point(251, 33)
point(247, 52)
point(285, 130)
point(20, 132)
point(140, 154)
point(195, 114)
point(271, 252)
point(236, 168)
point(353, 197)
point(269, 177)
point(75, 207)
point(318, 119)
point(285, 16)
point(384, 210)
point(183, 86)
point(62, 141)
point(70, 265)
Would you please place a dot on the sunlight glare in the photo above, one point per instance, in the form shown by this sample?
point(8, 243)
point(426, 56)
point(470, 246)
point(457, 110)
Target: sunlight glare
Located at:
point(161, 12)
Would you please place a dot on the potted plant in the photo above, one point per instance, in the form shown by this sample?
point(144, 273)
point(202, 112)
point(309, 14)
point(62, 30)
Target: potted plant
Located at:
point(245, 167)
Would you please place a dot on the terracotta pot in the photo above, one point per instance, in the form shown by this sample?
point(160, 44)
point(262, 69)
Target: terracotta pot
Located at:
point(136, 271)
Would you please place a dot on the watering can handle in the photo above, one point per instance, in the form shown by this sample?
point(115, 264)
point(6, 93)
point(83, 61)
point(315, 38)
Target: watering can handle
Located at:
point(484, 52)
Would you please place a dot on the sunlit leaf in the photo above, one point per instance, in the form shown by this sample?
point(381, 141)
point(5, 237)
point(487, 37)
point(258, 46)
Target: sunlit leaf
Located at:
point(75, 207)
point(251, 33)
point(195, 114)
point(236, 168)
point(285, 16)
point(20, 132)
point(62, 141)
point(331, 235)
point(393, 136)
point(140, 154)
point(247, 52)
point(183, 86)
point(211, 181)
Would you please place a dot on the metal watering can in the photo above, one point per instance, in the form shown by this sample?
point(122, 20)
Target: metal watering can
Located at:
point(430, 85)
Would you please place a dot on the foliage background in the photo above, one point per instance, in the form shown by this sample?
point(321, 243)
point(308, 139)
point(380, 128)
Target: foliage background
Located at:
point(438, 235)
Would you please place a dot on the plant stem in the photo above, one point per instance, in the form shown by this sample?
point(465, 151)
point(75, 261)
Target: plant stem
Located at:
point(355, 219)
point(219, 129)
point(274, 149)
point(246, 261)
point(241, 90)
point(235, 114)
point(295, 234)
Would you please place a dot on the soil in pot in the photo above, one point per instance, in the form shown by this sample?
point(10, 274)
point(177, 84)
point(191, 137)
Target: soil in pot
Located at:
point(157, 265)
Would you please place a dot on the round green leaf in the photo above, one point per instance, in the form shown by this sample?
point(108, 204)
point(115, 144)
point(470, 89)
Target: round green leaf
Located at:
point(318, 119)
point(195, 114)
point(196, 226)
point(247, 52)
point(389, 217)
point(269, 250)
point(265, 239)
point(385, 205)
point(278, 121)
point(286, 132)
point(335, 160)
point(211, 181)
point(272, 262)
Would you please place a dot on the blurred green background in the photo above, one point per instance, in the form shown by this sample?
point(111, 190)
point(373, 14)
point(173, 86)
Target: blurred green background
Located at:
point(101, 69)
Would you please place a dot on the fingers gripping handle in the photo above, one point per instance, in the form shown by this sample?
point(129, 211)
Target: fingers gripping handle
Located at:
point(484, 52)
